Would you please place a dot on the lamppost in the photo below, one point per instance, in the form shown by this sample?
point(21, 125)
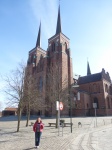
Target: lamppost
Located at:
point(74, 86)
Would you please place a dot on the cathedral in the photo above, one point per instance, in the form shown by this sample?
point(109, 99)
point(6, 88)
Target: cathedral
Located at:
point(53, 74)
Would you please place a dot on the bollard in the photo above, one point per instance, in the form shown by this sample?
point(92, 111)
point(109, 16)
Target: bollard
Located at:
point(62, 128)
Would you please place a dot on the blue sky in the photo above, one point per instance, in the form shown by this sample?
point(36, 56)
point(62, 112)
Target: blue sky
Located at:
point(88, 24)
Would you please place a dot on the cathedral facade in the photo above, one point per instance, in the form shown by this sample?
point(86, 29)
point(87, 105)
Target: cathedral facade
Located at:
point(52, 70)
point(53, 75)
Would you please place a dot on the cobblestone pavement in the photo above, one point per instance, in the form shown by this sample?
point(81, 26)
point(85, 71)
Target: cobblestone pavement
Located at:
point(87, 137)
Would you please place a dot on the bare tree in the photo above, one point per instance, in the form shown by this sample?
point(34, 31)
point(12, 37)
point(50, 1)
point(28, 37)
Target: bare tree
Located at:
point(14, 89)
point(33, 94)
point(57, 85)
point(30, 94)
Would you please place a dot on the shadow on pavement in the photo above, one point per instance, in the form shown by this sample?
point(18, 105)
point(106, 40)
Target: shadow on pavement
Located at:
point(29, 148)
point(9, 132)
point(4, 141)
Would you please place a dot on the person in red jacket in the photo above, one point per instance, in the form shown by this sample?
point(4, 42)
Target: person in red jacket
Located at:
point(38, 128)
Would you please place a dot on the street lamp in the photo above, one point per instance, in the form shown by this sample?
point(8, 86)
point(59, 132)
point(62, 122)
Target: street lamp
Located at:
point(74, 86)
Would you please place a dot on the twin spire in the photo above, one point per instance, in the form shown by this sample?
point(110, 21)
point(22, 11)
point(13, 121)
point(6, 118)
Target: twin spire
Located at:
point(58, 29)
point(38, 43)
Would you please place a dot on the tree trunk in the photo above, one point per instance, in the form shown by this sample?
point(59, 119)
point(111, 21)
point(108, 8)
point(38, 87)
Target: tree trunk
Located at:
point(19, 118)
point(28, 115)
point(56, 118)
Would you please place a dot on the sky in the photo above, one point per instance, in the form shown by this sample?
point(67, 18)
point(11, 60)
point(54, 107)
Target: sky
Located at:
point(87, 23)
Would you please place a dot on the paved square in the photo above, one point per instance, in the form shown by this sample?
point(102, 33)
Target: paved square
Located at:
point(87, 137)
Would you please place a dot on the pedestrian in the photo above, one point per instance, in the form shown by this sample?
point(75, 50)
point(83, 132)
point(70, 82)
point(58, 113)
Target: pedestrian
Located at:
point(37, 128)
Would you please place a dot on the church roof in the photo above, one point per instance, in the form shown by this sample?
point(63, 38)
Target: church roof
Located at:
point(90, 78)
point(94, 77)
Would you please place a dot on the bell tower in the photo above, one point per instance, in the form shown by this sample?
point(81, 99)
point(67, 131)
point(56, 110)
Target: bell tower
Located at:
point(59, 59)
point(59, 51)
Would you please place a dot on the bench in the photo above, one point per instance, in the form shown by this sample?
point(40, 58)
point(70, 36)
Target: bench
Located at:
point(51, 124)
point(65, 124)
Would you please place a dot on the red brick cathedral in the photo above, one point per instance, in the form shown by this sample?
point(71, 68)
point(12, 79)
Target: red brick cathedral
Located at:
point(52, 72)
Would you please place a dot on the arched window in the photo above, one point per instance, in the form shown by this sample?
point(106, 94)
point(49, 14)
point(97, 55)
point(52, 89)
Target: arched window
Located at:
point(40, 84)
point(65, 47)
point(96, 101)
point(53, 46)
point(31, 58)
point(110, 90)
point(41, 63)
point(106, 88)
point(87, 105)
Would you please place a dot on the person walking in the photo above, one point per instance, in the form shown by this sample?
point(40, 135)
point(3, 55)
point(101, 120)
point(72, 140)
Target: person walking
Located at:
point(38, 128)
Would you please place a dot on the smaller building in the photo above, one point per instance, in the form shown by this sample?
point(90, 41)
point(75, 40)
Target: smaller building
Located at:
point(9, 111)
point(93, 88)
